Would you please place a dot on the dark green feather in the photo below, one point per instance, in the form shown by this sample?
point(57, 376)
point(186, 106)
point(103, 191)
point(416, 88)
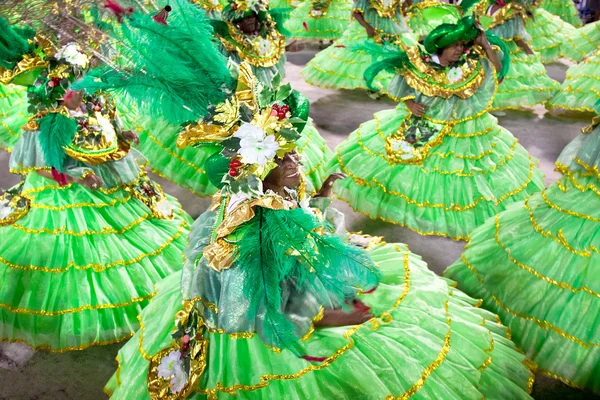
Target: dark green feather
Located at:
point(56, 131)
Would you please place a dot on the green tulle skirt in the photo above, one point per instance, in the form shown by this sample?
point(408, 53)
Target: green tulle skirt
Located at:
point(581, 42)
point(158, 143)
point(477, 170)
point(329, 25)
point(342, 66)
point(80, 265)
point(581, 89)
point(547, 32)
point(527, 82)
point(428, 341)
point(536, 265)
point(565, 9)
point(13, 114)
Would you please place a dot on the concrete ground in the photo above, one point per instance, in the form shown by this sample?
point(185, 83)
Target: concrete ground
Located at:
point(25, 375)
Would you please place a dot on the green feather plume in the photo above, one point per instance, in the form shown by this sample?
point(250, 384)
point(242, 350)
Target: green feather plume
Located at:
point(13, 43)
point(56, 131)
point(283, 245)
point(173, 71)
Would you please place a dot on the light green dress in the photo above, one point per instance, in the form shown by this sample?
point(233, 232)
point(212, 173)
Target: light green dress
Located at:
point(535, 264)
point(343, 64)
point(426, 340)
point(460, 169)
point(13, 114)
point(87, 261)
point(319, 19)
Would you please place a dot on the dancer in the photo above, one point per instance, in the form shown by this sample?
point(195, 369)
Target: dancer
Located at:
point(581, 88)
point(322, 20)
point(158, 136)
point(85, 235)
point(527, 83)
point(274, 301)
point(439, 163)
point(535, 264)
point(342, 65)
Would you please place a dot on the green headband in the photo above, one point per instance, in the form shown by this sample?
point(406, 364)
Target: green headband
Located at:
point(447, 34)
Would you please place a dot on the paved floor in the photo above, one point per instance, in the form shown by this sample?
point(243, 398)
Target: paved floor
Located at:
point(81, 375)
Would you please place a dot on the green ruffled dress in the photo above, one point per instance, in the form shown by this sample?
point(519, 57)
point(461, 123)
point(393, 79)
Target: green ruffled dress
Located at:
point(527, 82)
point(465, 168)
point(77, 266)
point(581, 89)
point(565, 9)
point(324, 19)
point(581, 42)
point(13, 114)
point(427, 340)
point(547, 32)
point(342, 65)
point(535, 264)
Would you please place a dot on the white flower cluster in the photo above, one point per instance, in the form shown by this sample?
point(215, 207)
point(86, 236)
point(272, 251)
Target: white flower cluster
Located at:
point(264, 46)
point(256, 147)
point(404, 147)
point(171, 366)
point(73, 55)
point(107, 128)
point(454, 74)
point(316, 13)
point(5, 209)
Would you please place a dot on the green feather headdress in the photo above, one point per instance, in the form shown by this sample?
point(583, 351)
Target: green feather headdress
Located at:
point(466, 29)
point(172, 71)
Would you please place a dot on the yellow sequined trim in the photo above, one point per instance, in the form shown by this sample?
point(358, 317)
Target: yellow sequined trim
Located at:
point(99, 267)
point(432, 367)
point(561, 285)
point(264, 380)
point(45, 347)
point(171, 153)
point(78, 205)
point(206, 303)
point(316, 319)
point(559, 237)
point(64, 231)
point(246, 51)
point(19, 310)
point(541, 323)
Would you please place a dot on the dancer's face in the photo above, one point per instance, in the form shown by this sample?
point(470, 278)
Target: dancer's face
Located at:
point(287, 172)
point(248, 25)
point(453, 52)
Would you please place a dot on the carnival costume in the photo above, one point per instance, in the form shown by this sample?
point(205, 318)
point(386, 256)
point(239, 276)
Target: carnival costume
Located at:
point(263, 267)
point(547, 32)
point(343, 64)
point(447, 172)
point(581, 42)
point(320, 19)
point(581, 88)
point(77, 263)
point(535, 264)
point(158, 134)
point(527, 82)
point(565, 9)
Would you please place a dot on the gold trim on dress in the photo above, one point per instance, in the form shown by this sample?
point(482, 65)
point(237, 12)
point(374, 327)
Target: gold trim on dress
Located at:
point(248, 50)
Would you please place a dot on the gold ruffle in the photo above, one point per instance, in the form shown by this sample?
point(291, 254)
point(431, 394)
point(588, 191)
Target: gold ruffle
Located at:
point(219, 253)
point(385, 11)
point(33, 125)
point(588, 129)
point(17, 213)
point(421, 153)
point(239, 44)
point(438, 86)
point(509, 11)
point(98, 157)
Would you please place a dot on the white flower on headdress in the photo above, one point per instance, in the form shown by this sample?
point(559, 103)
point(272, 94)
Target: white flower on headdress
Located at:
point(164, 208)
point(264, 46)
point(316, 13)
point(252, 4)
point(171, 366)
point(256, 147)
point(295, 3)
point(5, 209)
point(107, 128)
point(454, 74)
point(387, 3)
point(71, 54)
